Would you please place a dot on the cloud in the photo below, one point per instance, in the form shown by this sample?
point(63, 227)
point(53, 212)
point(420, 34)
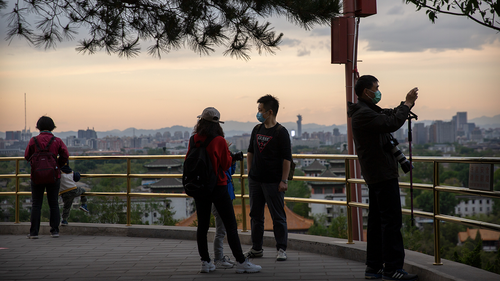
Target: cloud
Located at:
point(290, 42)
point(303, 52)
point(321, 31)
point(396, 10)
point(399, 28)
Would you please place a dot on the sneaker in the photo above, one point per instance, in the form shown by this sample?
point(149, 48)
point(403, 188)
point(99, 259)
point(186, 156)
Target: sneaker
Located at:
point(55, 235)
point(83, 207)
point(253, 253)
point(207, 267)
point(399, 274)
point(247, 267)
point(64, 222)
point(225, 262)
point(29, 236)
point(281, 255)
point(372, 273)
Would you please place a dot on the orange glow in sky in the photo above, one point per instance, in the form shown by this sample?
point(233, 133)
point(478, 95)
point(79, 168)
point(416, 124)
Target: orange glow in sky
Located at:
point(106, 92)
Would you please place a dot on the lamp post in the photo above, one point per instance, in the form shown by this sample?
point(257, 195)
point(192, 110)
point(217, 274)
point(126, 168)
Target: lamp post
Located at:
point(345, 51)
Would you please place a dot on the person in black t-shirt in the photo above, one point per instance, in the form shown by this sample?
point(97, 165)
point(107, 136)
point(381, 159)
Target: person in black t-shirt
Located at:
point(269, 158)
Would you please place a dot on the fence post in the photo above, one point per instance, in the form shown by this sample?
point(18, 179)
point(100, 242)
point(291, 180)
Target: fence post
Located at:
point(17, 193)
point(348, 199)
point(128, 193)
point(243, 205)
point(437, 257)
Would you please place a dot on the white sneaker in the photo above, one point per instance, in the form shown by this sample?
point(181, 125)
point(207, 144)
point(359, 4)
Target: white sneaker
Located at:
point(281, 255)
point(225, 262)
point(253, 253)
point(207, 267)
point(247, 267)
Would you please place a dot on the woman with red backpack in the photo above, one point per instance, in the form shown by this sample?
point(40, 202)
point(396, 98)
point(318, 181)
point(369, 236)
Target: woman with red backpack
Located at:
point(42, 152)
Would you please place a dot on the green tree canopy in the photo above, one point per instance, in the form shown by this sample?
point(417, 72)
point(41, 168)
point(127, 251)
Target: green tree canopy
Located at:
point(482, 12)
point(117, 26)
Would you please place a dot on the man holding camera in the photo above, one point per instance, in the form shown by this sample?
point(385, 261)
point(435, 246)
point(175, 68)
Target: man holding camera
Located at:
point(268, 161)
point(372, 127)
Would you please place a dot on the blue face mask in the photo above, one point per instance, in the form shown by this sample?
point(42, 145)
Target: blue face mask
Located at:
point(260, 117)
point(378, 96)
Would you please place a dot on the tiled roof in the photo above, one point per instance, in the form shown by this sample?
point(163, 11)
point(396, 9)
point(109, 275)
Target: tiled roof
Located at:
point(167, 183)
point(314, 166)
point(486, 235)
point(327, 174)
point(338, 170)
point(294, 221)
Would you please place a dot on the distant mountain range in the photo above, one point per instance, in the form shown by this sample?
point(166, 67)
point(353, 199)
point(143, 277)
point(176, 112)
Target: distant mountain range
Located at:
point(233, 128)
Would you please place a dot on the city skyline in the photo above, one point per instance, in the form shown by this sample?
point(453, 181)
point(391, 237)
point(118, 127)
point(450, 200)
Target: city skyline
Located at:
point(453, 62)
point(234, 126)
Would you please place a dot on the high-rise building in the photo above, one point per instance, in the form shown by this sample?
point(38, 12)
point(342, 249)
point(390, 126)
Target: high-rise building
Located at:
point(442, 132)
point(178, 135)
point(400, 134)
point(468, 128)
point(299, 125)
point(13, 135)
point(461, 120)
point(167, 135)
point(419, 133)
point(87, 134)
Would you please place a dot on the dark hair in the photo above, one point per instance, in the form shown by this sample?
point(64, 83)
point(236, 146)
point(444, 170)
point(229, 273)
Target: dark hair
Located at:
point(45, 123)
point(364, 82)
point(270, 102)
point(208, 128)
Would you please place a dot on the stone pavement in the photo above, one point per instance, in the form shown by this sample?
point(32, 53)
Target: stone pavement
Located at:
point(150, 252)
point(74, 257)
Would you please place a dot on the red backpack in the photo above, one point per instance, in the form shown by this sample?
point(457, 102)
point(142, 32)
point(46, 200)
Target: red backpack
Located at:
point(43, 164)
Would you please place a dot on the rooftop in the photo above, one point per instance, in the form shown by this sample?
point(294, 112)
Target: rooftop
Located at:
point(295, 222)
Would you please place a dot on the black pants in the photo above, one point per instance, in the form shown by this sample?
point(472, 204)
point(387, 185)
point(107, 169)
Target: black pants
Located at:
point(385, 242)
point(260, 194)
point(37, 191)
point(222, 202)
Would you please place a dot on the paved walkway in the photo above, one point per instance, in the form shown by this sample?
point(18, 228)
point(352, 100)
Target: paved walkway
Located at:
point(74, 257)
point(108, 252)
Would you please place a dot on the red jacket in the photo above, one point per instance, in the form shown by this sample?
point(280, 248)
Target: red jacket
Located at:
point(219, 154)
point(57, 147)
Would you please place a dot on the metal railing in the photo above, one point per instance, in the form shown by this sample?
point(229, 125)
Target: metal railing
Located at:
point(347, 180)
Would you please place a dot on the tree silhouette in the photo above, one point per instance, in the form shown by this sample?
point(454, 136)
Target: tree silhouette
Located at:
point(118, 26)
point(482, 12)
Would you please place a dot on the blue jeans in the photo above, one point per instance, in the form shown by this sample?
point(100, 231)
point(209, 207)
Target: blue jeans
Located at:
point(220, 233)
point(385, 242)
point(260, 194)
point(37, 191)
point(220, 198)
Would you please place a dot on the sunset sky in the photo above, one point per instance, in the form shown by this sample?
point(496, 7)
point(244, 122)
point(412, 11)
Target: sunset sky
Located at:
point(455, 63)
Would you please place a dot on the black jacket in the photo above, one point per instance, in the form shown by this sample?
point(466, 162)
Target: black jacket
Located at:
point(371, 127)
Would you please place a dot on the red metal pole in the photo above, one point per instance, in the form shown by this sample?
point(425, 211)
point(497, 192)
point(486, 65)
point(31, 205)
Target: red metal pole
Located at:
point(350, 80)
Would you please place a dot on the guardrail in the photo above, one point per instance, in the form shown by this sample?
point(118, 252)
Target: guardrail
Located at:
point(435, 187)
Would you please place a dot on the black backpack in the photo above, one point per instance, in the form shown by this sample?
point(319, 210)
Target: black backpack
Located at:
point(43, 164)
point(198, 176)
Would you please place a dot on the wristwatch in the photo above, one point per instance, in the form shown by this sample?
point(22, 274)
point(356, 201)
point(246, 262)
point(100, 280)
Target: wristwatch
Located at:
point(285, 181)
